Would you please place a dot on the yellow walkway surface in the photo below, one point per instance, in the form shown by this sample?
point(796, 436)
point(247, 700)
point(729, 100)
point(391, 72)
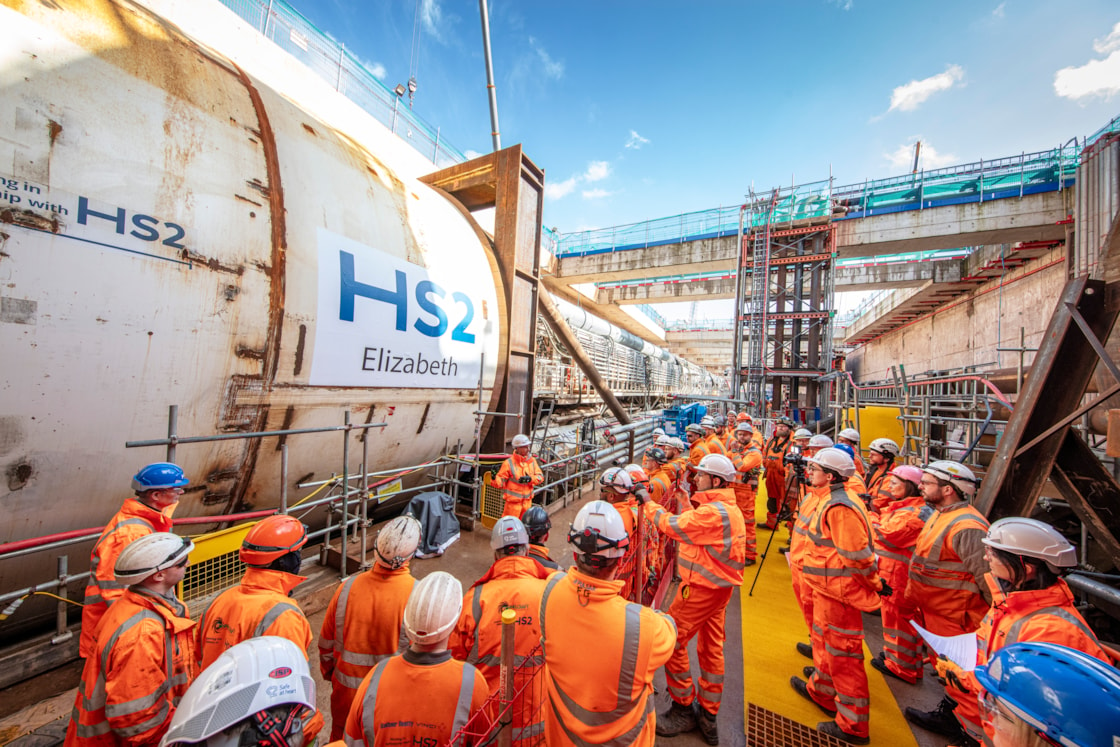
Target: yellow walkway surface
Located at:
point(772, 625)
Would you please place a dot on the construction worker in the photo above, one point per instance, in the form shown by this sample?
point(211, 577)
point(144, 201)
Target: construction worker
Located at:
point(897, 527)
point(143, 659)
point(798, 490)
point(1042, 694)
point(675, 450)
point(947, 568)
point(158, 487)
point(423, 696)
point(515, 582)
point(537, 525)
point(662, 482)
point(747, 458)
point(1027, 558)
point(517, 477)
point(638, 476)
point(712, 554)
point(260, 604)
point(850, 436)
point(364, 622)
point(881, 454)
point(774, 467)
point(711, 435)
point(600, 651)
point(265, 691)
point(841, 571)
point(756, 436)
point(616, 488)
point(855, 482)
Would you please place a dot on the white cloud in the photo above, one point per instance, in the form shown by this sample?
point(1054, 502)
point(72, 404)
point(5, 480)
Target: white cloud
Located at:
point(842, 4)
point(1000, 11)
point(595, 194)
point(635, 141)
point(1095, 77)
point(552, 68)
point(902, 158)
point(431, 17)
point(557, 190)
point(909, 97)
point(597, 171)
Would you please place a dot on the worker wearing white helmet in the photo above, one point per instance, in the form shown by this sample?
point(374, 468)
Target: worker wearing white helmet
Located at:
point(747, 458)
point(364, 622)
point(143, 657)
point(778, 487)
point(712, 554)
point(600, 652)
point(616, 486)
point(881, 455)
point(422, 696)
point(517, 477)
point(850, 436)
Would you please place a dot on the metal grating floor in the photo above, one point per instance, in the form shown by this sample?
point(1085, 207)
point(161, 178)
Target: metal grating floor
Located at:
point(768, 729)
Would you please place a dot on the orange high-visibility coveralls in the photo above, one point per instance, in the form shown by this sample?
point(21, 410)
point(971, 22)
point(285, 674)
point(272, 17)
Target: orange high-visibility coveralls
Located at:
point(132, 522)
point(876, 482)
point(600, 653)
point(775, 472)
point(628, 565)
point(415, 699)
point(142, 662)
point(840, 569)
point(258, 606)
point(747, 460)
point(363, 624)
point(947, 571)
point(713, 546)
point(897, 528)
point(540, 554)
point(662, 484)
point(1037, 616)
point(518, 496)
point(715, 444)
point(799, 544)
point(513, 582)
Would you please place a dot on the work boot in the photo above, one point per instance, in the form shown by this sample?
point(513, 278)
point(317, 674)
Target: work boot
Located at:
point(677, 720)
point(707, 723)
point(832, 729)
point(802, 689)
point(881, 665)
point(784, 550)
point(808, 671)
point(940, 720)
point(805, 649)
point(764, 525)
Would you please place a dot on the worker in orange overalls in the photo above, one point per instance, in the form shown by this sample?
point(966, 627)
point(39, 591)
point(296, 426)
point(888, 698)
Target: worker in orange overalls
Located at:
point(1033, 605)
point(143, 658)
point(756, 436)
point(747, 458)
point(517, 477)
point(948, 567)
point(881, 454)
point(676, 451)
point(260, 604)
point(616, 487)
point(423, 696)
point(364, 622)
point(514, 581)
point(841, 571)
point(855, 482)
point(600, 652)
point(662, 482)
point(712, 435)
point(775, 470)
point(850, 436)
point(157, 487)
point(897, 527)
point(712, 552)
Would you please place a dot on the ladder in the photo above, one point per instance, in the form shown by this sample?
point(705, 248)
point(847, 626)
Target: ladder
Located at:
point(752, 318)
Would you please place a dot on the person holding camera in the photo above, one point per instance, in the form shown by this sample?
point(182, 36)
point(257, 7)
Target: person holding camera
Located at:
point(517, 477)
point(774, 470)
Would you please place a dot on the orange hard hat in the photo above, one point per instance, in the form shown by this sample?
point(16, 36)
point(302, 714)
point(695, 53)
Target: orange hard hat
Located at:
point(273, 538)
point(744, 416)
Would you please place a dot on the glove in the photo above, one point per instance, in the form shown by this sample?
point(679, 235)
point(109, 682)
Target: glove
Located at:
point(642, 496)
point(524, 479)
point(950, 672)
point(886, 591)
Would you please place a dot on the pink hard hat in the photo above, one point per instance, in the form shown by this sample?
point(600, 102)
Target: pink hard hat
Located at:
point(908, 473)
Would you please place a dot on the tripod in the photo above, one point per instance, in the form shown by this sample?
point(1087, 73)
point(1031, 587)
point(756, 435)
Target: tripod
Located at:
point(796, 477)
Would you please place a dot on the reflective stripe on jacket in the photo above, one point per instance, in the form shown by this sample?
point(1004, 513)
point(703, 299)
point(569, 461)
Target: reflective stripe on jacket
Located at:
point(799, 542)
point(713, 544)
point(876, 481)
point(841, 563)
point(415, 699)
point(898, 526)
point(141, 665)
point(132, 522)
point(601, 654)
point(941, 582)
point(258, 606)
point(514, 468)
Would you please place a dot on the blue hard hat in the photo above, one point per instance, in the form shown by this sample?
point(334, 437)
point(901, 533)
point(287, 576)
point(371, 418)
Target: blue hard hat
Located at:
point(159, 475)
point(1071, 697)
point(846, 448)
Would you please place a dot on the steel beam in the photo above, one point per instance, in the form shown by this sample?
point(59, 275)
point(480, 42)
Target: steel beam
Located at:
point(1091, 491)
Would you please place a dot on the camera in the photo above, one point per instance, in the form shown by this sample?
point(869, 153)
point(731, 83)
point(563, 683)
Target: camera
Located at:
point(794, 457)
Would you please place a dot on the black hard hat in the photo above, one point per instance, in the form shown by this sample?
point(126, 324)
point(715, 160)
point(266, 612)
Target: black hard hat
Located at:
point(536, 522)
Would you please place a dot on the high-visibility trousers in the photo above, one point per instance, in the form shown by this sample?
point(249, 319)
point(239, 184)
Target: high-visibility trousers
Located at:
point(803, 593)
point(698, 611)
point(775, 490)
point(516, 507)
point(967, 712)
point(840, 682)
point(903, 649)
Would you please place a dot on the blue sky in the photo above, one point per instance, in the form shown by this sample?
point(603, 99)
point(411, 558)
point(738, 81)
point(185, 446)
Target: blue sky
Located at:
point(642, 110)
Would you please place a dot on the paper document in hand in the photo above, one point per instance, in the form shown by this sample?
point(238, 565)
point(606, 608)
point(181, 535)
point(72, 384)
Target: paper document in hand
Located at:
point(959, 649)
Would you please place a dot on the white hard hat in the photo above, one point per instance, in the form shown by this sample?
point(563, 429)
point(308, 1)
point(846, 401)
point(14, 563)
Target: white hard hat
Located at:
point(1033, 538)
point(744, 426)
point(598, 530)
point(820, 441)
point(433, 608)
point(397, 542)
point(508, 532)
point(707, 421)
point(835, 460)
point(958, 475)
point(251, 677)
point(637, 473)
point(718, 465)
point(659, 432)
point(150, 554)
point(664, 441)
point(618, 479)
point(885, 446)
point(521, 440)
point(802, 433)
point(849, 434)
point(677, 443)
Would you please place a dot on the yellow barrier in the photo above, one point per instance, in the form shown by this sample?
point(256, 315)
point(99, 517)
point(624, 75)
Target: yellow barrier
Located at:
point(876, 421)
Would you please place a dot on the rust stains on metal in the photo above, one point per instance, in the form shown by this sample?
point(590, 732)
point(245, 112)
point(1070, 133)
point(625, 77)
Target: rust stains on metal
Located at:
point(423, 418)
point(54, 129)
point(246, 352)
point(309, 128)
point(300, 343)
point(28, 219)
point(19, 474)
point(246, 199)
point(212, 263)
point(289, 416)
point(255, 184)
